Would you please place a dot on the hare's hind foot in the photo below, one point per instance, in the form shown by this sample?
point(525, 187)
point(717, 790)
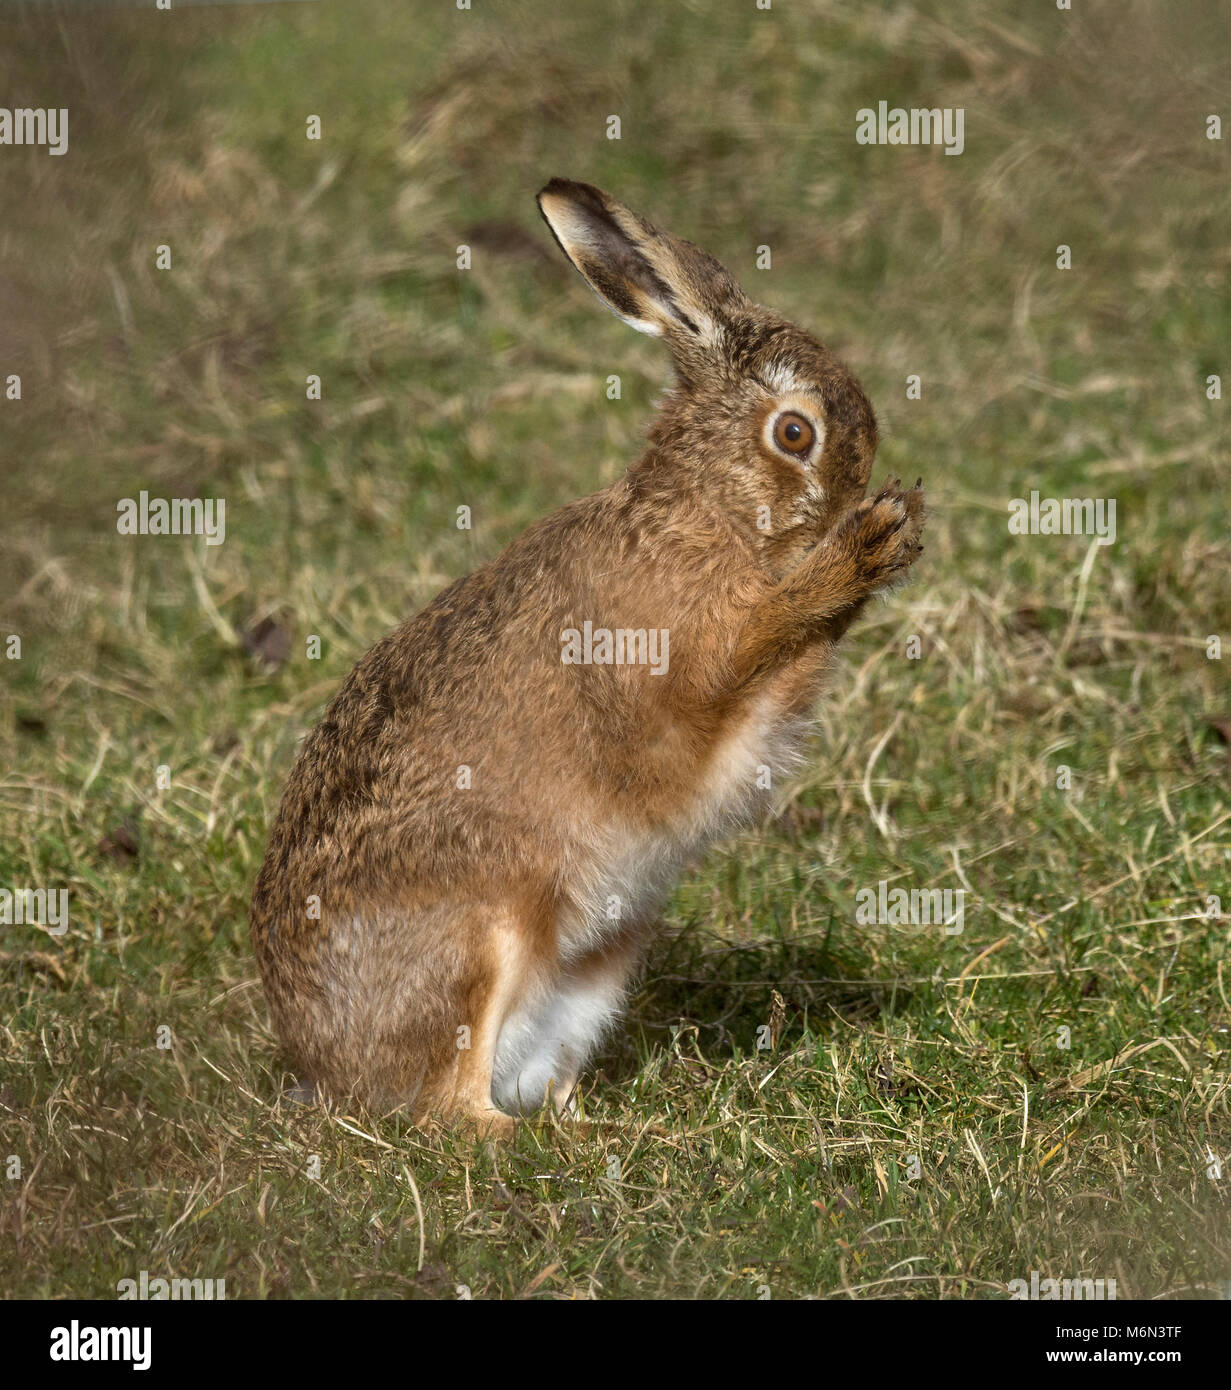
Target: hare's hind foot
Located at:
point(484, 1124)
point(479, 1121)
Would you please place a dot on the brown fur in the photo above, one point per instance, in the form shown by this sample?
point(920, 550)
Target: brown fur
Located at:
point(444, 908)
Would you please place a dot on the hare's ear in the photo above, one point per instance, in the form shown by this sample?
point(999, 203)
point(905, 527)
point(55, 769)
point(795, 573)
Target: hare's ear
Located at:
point(655, 282)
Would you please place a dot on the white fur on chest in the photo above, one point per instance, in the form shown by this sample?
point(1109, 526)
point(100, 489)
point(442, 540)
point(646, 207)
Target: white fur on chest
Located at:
point(626, 871)
point(751, 763)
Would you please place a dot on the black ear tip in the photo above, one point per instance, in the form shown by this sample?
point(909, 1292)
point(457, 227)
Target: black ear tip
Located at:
point(556, 188)
point(585, 195)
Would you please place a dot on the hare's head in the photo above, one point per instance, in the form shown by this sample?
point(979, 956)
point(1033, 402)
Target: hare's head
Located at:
point(763, 421)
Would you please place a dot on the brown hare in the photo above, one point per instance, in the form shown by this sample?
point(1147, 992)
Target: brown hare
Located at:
point(476, 838)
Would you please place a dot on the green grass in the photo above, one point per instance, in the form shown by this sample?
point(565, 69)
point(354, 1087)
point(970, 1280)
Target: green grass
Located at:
point(711, 1168)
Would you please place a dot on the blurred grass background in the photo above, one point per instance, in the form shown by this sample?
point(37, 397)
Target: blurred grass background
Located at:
point(739, 1170)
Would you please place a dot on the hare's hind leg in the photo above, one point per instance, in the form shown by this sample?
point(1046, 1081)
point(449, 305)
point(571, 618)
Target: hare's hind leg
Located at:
point(461, 1092)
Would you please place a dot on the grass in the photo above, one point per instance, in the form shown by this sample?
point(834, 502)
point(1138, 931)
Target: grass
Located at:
point(917, 1128)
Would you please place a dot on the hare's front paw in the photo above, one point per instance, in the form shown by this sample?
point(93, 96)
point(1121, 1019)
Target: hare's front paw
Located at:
point(883, 532)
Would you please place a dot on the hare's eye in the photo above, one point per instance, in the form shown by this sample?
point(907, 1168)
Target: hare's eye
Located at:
point(793, 433)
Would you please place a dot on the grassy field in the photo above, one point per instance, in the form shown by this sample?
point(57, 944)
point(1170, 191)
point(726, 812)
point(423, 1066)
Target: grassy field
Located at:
point(939, 1113)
